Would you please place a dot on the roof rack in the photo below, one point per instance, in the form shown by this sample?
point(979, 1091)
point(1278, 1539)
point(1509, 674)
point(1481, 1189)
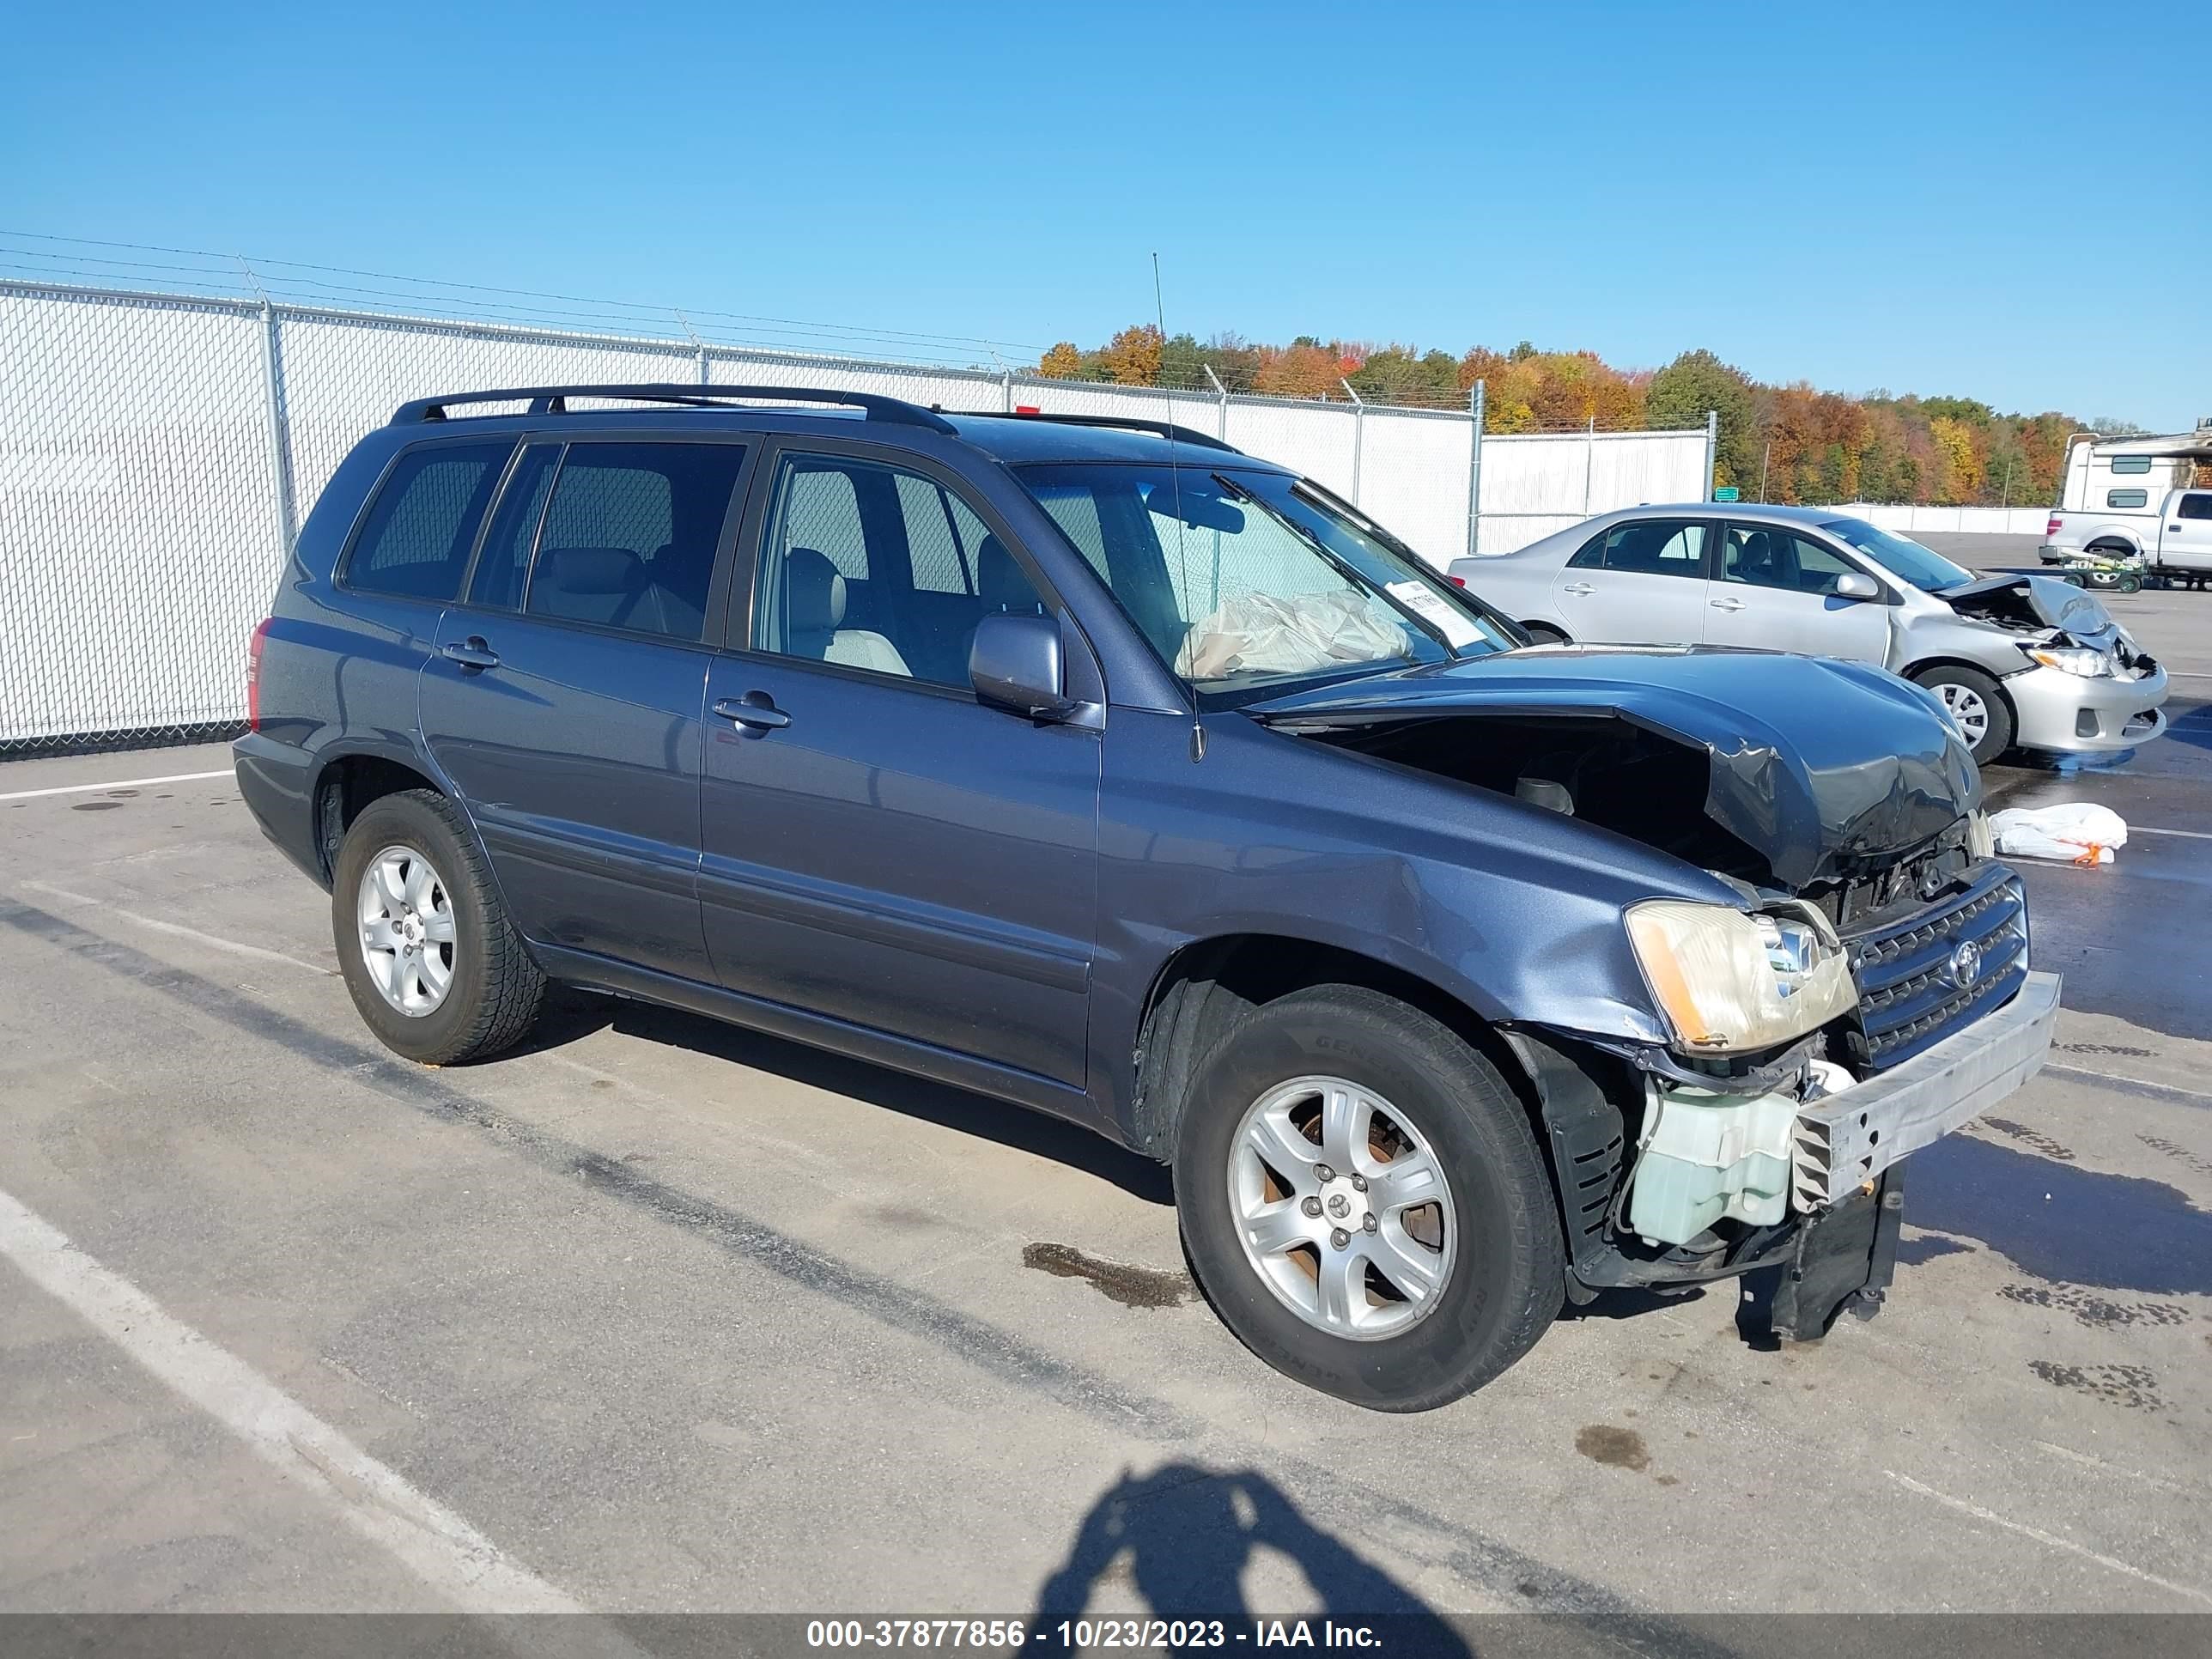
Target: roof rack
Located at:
point(1182, 435)
point(553, 400)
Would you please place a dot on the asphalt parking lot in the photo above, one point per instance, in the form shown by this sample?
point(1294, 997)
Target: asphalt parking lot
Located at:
point(658, 1315)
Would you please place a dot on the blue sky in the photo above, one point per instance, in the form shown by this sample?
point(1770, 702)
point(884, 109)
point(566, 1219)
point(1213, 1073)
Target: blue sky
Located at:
point(1989, 200)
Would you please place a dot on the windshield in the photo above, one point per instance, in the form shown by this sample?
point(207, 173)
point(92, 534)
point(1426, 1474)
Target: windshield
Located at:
point(1246, 579)
point(1923, 567)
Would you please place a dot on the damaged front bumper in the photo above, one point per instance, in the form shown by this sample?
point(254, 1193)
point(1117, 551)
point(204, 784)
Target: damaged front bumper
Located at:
point(1843, 1140)
point(2066, 713)
point(1789, 1175)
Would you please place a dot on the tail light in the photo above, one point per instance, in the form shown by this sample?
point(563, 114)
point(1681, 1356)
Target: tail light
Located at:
point(1459, 581)
point(253, 650)
point(2051, 529)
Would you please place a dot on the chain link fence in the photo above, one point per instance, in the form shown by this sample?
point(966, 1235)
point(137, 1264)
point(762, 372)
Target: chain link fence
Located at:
point(158, 452)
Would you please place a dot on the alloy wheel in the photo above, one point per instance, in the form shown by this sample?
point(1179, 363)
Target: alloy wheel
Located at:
point(407, 930)
point(1342, 1207)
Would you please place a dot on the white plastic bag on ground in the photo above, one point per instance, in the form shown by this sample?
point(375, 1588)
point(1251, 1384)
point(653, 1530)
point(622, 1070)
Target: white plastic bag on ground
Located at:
point(2078, 832)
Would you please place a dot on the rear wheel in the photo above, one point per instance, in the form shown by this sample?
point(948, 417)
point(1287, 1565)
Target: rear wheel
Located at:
point(1543, 632)
point(1364, 1201)
point(433, 966)
point(1977, 704)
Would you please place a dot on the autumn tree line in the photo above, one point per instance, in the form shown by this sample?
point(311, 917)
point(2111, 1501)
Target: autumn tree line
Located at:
point(1777, 443)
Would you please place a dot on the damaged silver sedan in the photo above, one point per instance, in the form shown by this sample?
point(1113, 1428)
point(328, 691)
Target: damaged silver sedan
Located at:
point(2017, 660)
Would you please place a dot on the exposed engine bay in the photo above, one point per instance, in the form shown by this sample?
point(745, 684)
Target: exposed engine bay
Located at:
point(2026, 606)
point(1693, 1166)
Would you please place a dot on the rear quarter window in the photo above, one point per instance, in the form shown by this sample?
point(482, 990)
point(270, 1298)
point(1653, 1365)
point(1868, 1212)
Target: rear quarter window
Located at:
point(415, 540)
point(2127, 498)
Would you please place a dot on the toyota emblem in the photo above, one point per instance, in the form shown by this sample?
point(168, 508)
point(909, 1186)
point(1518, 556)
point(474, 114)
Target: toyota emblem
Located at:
point(1965, 964)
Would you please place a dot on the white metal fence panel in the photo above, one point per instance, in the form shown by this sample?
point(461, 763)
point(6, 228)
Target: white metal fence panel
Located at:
point(1533, 484)
point(1315, 439)
point(138, 523)
point(1958, 520)
point(1414, 474)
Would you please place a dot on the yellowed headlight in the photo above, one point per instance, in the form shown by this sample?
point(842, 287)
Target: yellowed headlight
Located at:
point(1727, 981)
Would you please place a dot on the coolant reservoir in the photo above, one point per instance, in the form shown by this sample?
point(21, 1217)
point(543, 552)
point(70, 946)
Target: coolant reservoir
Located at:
point(1709, 1157)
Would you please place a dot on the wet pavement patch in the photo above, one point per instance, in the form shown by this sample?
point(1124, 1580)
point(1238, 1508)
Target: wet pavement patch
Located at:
point(95, 806)
point(2032, 1138)
point(2095, 1311)
point(2179, 1153)
point(2062, 1222)
point(1132, 1287)
point(1617, 1448)
point(2135, 1387)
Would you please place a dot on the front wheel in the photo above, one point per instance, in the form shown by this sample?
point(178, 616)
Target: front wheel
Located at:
point(1364, 1201)
point(1976, 705)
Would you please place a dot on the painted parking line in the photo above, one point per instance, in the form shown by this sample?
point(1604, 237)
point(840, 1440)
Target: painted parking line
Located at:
point(2112, 1564)
point(2184, 835)
point(118, 783)
point(462, 1565)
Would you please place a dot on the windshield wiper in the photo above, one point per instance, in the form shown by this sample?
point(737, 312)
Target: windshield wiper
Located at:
point(1336, 561)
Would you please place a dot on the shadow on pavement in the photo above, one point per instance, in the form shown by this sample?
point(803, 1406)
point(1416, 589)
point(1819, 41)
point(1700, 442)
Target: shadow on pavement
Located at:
point(1183, 1537)
point(571, 1014)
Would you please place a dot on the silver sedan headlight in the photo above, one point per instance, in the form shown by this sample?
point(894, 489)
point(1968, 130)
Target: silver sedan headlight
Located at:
point(1727, 981)
point(2076, 660)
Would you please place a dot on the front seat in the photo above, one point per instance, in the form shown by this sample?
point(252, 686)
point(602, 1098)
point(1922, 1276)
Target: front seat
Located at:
point(814, 612)
point(1756, 563)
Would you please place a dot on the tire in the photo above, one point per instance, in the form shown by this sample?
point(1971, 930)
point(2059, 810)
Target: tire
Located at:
point(1497, 1256)
point(490, 988)
point(1543, 632)
point(1983, 704)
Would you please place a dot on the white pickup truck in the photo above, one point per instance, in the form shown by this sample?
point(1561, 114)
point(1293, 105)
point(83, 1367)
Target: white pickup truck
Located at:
point(2136, 498)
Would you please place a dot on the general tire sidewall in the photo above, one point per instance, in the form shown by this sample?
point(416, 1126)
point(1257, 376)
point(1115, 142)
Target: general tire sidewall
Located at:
point(397, 821)
point(1501, 1199)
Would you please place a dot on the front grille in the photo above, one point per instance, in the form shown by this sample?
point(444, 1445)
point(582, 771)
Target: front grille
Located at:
point(1911, 995)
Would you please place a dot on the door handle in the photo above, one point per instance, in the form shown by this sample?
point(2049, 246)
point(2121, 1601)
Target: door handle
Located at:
point(1725, 605)
point(1577, 588)
point(472, 653)
point(756, 709)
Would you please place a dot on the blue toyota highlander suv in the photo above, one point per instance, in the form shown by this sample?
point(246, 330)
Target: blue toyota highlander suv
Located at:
point(1107, 770)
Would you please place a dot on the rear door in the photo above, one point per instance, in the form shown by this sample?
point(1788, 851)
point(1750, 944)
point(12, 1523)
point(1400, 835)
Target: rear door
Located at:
point(1774, 588)
point(2185, 541)
point(564, 697)
point(1640, 582)
point(880, 848)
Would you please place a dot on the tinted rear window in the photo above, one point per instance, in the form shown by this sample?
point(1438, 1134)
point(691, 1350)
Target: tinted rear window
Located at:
point(631, 534)
point(416, 541)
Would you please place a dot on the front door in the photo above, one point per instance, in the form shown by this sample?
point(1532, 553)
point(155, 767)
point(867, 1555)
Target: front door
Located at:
point(564, 697)
point(1641, 582)
point(1776, 589)
point(880, 847)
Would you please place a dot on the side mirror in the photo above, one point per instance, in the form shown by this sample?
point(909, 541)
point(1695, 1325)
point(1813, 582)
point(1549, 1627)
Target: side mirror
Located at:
point(1015, 664)
point(1855, 585)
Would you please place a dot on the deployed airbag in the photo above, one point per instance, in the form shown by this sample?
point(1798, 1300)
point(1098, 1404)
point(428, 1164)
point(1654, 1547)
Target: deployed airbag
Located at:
point(1300, 634)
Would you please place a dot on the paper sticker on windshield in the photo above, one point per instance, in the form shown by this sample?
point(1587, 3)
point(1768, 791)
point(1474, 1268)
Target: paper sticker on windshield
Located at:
point(1417, 598)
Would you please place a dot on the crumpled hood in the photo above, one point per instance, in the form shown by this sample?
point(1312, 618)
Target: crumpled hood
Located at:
point(2027, 599)
point(1817, 764)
